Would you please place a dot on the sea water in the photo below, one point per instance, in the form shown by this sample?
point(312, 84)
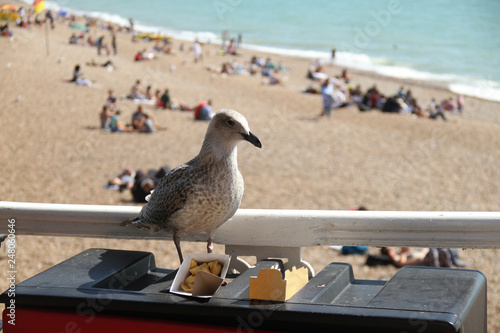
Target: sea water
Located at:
point(456, 43)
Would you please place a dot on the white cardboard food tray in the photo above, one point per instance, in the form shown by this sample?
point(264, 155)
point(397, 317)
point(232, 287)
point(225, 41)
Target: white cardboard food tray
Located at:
point(205, 284)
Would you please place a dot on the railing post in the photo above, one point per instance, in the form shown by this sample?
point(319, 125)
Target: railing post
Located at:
point(292, 254)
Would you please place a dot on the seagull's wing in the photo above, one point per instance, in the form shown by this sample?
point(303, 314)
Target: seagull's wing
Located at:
point(169, 196)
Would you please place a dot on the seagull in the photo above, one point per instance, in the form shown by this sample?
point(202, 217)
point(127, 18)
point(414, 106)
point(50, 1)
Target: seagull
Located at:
point(202, 194)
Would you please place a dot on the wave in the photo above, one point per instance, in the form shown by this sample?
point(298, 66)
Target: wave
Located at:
point(483, 89)
point(475, 87)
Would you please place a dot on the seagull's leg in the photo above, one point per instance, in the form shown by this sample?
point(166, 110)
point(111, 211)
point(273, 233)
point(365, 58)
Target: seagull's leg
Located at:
point(210, 243)
point(177, 242)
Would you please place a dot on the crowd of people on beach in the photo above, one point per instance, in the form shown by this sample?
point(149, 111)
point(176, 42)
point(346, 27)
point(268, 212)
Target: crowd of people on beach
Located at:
point(339, 91)
point(405, 103)
point(404, 256)
point(87, 37)
point(26, 18)
point(145, 122)
point(272, 74)
point(110, 118)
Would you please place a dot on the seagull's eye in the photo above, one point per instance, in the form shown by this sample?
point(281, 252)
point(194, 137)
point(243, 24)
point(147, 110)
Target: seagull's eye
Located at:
point(230, 122)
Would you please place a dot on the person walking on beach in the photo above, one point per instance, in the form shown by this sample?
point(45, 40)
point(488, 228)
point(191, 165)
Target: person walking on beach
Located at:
point(225, 38)
point(113, 42)
point(99, 43)
point(131, 25)
point(50, 17)
point(197, 52)
point(460, 103)
point(327, 95)
point(165, 100)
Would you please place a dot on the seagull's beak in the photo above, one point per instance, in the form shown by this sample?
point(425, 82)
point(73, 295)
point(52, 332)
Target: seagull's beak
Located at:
point(250, 137)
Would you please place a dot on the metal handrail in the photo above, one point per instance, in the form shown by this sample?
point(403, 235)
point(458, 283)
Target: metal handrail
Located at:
point(271, 228)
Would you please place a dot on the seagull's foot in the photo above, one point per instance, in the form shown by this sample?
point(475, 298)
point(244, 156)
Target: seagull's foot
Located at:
point(210, 245)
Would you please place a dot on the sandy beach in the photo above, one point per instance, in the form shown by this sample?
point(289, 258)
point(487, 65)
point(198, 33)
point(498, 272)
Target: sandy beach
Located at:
point(53, 150)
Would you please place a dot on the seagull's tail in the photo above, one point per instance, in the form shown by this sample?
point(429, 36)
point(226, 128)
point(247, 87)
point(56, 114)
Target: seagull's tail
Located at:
point(137, 222)
point(133, 220)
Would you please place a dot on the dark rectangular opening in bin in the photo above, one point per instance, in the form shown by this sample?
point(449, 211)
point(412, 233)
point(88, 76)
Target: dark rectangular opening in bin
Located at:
point(123, 281)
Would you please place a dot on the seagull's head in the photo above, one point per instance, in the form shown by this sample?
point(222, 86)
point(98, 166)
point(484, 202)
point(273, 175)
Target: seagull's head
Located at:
point(231, 127)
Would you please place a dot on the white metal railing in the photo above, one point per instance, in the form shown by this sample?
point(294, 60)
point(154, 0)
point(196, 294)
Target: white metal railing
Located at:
point(276, 233)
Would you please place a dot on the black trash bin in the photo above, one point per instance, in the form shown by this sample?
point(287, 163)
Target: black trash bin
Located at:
point(103, 290)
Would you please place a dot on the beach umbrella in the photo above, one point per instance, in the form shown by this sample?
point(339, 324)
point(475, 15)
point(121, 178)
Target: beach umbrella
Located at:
point(8, 12)
point(10, 7)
